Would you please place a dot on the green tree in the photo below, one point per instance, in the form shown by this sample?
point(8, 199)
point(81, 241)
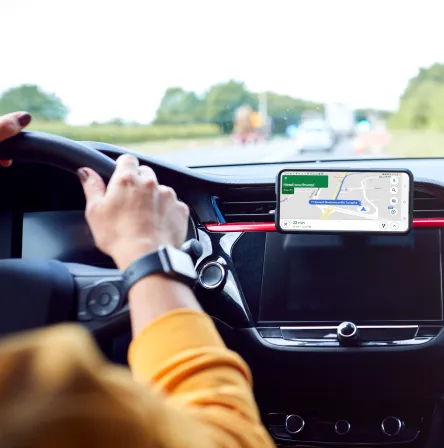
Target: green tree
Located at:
point(288, 107)
point(180, 107)
point(432, 74)
point(223, 99)
point(422, 104)
point(40, 104)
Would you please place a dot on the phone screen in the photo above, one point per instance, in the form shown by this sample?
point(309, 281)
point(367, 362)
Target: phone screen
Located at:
point(344, 201)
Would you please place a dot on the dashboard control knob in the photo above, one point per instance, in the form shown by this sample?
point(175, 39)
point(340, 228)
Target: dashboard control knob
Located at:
point(342, 427)
point(211, 275)
point(294, 424)
point(103, 299)
point(392, 426)
point(348, 333)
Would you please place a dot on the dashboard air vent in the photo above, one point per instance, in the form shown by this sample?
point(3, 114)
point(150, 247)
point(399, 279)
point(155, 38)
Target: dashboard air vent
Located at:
point(257, 204)
point(427, 204)
point(249, 204)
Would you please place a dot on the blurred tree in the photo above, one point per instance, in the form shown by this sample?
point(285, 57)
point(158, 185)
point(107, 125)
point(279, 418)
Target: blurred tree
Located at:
point(223, 99)
point(422, 103)
point(434, 74)
point(286, 110)
point(289, 107)
point(179, 107)
point(40, 104)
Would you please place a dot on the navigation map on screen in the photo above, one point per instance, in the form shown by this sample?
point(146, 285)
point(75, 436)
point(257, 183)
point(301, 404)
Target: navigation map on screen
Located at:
point(344, 201)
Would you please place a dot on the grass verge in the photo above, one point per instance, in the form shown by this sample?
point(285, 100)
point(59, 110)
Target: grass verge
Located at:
point(416, 144)
point(116, 134)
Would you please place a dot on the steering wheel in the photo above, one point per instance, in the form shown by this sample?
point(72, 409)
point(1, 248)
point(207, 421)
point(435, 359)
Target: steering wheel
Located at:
point(35, 293)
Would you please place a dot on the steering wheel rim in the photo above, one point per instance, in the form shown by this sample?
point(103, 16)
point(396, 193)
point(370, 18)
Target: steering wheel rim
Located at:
point(61, 152)
point(78, 287)
point(62, 290)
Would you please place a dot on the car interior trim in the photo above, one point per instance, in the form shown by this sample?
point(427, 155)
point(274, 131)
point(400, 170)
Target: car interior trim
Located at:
point(271, 227)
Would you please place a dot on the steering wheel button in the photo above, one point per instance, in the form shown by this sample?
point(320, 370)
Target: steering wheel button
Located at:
point(103, 299)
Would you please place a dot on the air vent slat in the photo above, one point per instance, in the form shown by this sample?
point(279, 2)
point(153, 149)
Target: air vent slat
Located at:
point(248, 204)
point(427, 204)
point(258, 204)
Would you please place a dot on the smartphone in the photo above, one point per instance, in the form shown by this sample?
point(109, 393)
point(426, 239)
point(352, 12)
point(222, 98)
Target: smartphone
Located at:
point(344, 201)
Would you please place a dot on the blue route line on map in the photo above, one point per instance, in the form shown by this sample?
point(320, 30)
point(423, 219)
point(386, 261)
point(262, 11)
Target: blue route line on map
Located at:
point(342, 183)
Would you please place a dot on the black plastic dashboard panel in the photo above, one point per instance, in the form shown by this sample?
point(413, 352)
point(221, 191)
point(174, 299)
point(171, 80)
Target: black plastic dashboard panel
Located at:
point(358, 278)
point(408, 269)
point(65, 236)
point(61, 235)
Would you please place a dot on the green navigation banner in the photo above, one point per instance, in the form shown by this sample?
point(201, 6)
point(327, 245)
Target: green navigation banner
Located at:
point(290, 182)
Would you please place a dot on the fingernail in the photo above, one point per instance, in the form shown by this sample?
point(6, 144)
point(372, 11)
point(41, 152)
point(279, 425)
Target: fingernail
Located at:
point(83, 174)
point(24, 119)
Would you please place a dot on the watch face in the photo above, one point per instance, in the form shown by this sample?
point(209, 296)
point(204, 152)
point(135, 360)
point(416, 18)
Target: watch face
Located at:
point(180, 262)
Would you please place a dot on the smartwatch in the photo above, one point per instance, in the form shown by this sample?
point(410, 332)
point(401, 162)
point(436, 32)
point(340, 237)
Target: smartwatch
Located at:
point(167, 261)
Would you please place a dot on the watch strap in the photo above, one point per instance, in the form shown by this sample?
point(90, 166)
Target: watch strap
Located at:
point(157, 262)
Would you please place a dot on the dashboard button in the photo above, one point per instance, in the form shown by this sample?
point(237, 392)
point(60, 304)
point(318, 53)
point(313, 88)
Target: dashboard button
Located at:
point(392, 426)
point(348, 333)
point(394, 225)
point(342, 427)
point(103, 299)
point(294, 424)
point(212, 275)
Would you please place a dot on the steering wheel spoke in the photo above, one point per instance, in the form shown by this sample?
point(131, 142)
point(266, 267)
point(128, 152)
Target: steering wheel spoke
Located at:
point(101, 306)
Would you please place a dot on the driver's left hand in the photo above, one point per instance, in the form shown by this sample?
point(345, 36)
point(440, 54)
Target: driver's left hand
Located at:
point(10, 125)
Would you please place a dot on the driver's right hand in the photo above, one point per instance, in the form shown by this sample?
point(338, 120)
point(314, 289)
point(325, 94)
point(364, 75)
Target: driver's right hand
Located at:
point(133, 215)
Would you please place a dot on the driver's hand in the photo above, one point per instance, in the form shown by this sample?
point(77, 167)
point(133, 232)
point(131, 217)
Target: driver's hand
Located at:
point(11, 125)
point(134, 215)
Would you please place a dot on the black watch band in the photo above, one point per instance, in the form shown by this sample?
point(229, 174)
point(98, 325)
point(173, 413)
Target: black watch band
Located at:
point(167, 261)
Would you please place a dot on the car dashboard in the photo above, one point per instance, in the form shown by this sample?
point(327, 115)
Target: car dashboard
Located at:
point(279, 300)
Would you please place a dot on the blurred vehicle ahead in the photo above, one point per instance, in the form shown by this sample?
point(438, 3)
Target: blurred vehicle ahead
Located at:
point(249, 126)
point(371, 138)
point(314, 135)
point(341, 119)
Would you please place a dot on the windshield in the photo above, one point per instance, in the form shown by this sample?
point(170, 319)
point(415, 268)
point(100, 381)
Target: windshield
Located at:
point(198, 83)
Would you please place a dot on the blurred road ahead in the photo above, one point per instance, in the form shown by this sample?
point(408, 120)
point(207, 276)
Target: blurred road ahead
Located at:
point(276, 150)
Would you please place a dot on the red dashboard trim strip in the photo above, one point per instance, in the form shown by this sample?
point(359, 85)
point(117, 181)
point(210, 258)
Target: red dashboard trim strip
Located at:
point(270, 227)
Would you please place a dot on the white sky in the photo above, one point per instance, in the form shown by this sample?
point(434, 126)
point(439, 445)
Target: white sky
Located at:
point(115, 58)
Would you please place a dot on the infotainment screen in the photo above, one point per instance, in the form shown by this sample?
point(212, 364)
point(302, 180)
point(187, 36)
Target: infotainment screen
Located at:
point(361, 278)
point(344, 201)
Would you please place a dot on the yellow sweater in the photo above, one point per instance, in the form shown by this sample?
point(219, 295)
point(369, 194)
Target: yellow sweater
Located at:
point(186, 390)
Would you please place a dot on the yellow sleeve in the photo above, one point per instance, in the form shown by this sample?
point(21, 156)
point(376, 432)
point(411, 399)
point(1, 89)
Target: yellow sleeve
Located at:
point(182, 354)
point(56, 389)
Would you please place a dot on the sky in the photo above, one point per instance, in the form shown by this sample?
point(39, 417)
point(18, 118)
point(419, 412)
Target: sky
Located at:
point(108, 59)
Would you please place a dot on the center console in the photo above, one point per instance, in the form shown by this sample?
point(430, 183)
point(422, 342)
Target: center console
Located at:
point(350, 328)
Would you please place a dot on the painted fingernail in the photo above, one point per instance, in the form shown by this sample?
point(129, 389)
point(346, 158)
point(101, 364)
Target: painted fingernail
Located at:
point(83, 174)
point(24, 119)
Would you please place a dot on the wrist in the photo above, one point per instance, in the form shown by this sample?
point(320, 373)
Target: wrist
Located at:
point(124, 257)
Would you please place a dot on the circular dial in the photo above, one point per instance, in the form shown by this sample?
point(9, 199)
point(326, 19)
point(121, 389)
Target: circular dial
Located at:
point(392, 426)
point(294, 424)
